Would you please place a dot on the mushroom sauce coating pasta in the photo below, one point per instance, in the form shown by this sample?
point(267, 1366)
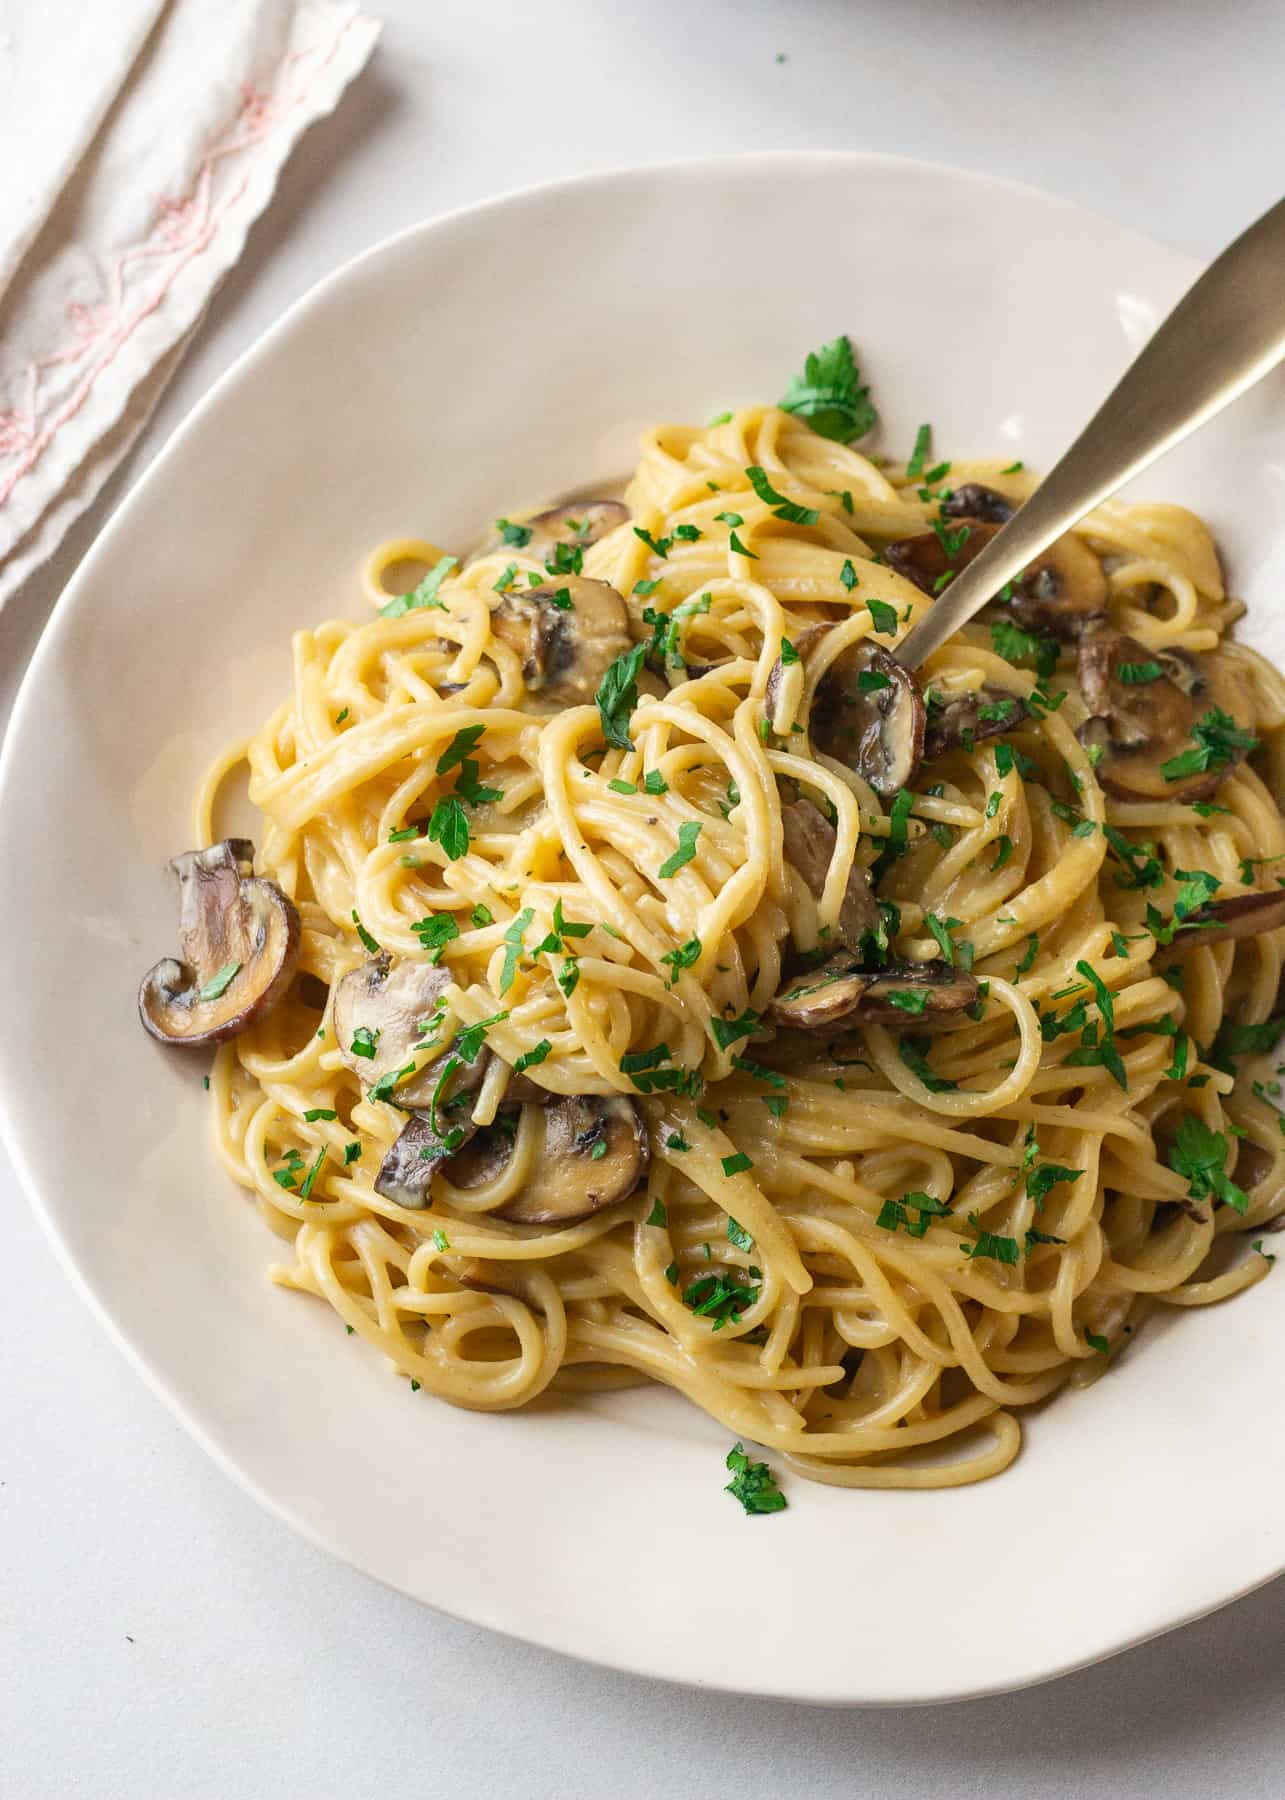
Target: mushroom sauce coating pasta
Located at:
point(682, 992)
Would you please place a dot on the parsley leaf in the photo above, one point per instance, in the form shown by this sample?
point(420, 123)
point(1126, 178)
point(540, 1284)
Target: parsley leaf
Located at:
point(423, 596)
point(783, 508)
point(1218, 741)
point(464, 741)
point(513, 947)
point(828, 394)
point(449, 827)
point(753, 1484)
point(617, 696)
point(688, 832)
point(1199, 1154)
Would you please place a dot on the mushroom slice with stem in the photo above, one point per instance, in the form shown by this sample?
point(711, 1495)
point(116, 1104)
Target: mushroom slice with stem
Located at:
point(239, 938)
point(809, 844)
point(1145, 704)
point(1239, 916)
point(381, 1008)
point(567, 634)
point(587, 1153)
point(868, 713)
point(1062, 591)
point(969, 718)
point(406, 1173)
point(922, 994)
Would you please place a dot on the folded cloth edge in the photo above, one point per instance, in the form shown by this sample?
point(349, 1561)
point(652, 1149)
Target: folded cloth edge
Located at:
point(63, 460)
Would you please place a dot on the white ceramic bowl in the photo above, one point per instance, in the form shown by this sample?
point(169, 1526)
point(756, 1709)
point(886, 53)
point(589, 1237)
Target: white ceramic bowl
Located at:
point(469, 365)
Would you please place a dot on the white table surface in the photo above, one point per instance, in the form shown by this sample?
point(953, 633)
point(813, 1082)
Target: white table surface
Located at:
point(159, 1635)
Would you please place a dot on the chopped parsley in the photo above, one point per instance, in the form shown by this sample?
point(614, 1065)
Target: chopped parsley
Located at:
point(1199, 1154)
point(722, 1297)
point(531, 1058)
point(688, 832)
point(737, 1235)
point(368, 943)
point(1018, 646)
point(911, 1050)
point(989, 1244)
point(1138, 674)
point(921, 451)
point(681, 958)
point(1218, 741)
point(729, 1031)
point(513, 936)
point(425, 595)
point(883, 617)
point(782, 507)
point(460, 746)
point(753, 1484)
point(617, 696)
point(449, 827)
point(222, 979)
point(363, 1041)
point(1090, 1051)
point(737, 1164)
point(894, 1215)
point(734, 543)
point(848, 578)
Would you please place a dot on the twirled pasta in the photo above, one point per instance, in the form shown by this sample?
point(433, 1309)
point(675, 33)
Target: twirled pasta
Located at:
point(867, 1353)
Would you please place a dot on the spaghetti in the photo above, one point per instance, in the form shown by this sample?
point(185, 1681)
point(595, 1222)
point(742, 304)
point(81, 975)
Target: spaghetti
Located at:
point(869, 1246)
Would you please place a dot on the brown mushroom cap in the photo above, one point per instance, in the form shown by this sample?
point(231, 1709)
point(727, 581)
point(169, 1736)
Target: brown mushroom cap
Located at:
point(578, 523)
point(1141, 725)
point(868, 713)
point(1239, 916)
point(946, 991)
point(406, 1173)
point(809, 840)
point(1062, 591)
point(837, 991)
point(567, 634)
point(969, 718)
point(239, 938)
point(590, 1152)
point(390, 1000)
point(973, 500)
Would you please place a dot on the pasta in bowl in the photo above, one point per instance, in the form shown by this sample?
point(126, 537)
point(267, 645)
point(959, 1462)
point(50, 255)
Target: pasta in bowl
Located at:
point(642, 976)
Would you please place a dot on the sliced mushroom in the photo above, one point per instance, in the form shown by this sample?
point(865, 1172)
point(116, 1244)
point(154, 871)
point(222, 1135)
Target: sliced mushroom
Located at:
point(591, 1152)
point(406, 1173)
point(567, 635)
point(971, 500)
point(838, 991)
point(809, 844)
point(968, 718)
point(946, 991)
point(868, 713)
point(380, 1008)
point(239, 938)
point(1062, 591)
point(578, 523)
point(822, 997)
point(1141, 725)
point(1239, 916)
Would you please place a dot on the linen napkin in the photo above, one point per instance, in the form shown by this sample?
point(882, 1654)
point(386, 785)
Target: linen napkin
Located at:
point(143, 139)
